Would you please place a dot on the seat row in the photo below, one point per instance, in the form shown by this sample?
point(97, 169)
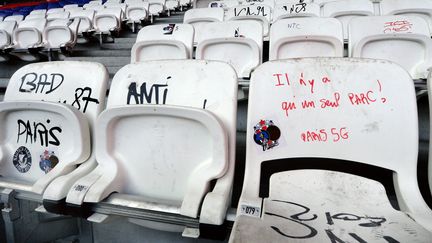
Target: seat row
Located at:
point(169, 129)
point(401, 39)
point(269, 11)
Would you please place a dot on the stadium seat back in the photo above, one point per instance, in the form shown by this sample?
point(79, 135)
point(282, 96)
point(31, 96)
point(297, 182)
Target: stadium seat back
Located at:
point(257, 12)
point(6, 31)
point(108, 19)
point(46, 114)
point(199, 17)
point(419, 8)
point(171, 99)
point(344, 11)
point(29, 33)
point(238, 43)
point(158, 42)
point(402, 39)
point(296, 152)
point(299, 37)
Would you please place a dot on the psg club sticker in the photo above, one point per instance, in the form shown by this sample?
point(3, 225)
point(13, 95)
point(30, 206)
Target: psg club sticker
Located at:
point(22, 159)
point(48, 160)
point(266, 134)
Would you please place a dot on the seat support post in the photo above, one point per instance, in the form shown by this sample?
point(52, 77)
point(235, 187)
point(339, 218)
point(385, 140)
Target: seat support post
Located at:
point(10, 212)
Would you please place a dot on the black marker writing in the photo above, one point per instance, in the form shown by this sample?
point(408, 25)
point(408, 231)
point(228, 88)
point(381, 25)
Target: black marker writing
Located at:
point(42, 83)
point(147, 95)
point(34, 131)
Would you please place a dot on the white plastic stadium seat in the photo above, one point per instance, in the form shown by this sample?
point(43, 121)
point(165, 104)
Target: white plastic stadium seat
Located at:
point(123, 7)
point(108, 20)
point(72, 10)
point(54, 10)
point(86, 20)
point(182, 104)
point(69, 6)
point(289, 10)
point(137, 11)
point(172, 5)
point(58, 15)
point(300, 37)
point(6, 31)
point(95, 7)
point(198, 17)
point(158, 42)
point(16, 18)
point(401, 39)
point(29, 33)
point(47, 139)
point(305, 177)
point(113, 1)
point(96, 2)
point(156, 7)
point(258, 12)
point(346, 10)
point(238, 43)
point(61, 33)
point(35, 16)
point(38, 12)
point(420, 8)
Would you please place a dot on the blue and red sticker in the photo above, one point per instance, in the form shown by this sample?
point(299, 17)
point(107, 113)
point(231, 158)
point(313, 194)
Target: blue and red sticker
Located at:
point(48, 160)
point(266, 134)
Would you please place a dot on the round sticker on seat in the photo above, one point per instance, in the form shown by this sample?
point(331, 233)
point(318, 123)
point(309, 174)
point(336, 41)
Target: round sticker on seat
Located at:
point(22, 159)
point(266, 134)
point(48, 160)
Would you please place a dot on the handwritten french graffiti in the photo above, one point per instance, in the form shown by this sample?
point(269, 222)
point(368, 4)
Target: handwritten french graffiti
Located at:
point(154, 94)
point(146, 96)
point(304, 215)
point(42, 83)
point(250, 10)
point(295, 8)
point(37, 131)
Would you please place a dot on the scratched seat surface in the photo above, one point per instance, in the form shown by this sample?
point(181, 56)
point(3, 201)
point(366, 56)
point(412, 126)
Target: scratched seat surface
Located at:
point(319, 162)
point(44, 140)
point(158, 42)
point(404, 40)
point(420, 8)
point(165, 134)
point(261, 13)
point(299, 37)
point(295, 212)
point(199, 17)
point(291, 9)
point(344, 11)
point(239, 43)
